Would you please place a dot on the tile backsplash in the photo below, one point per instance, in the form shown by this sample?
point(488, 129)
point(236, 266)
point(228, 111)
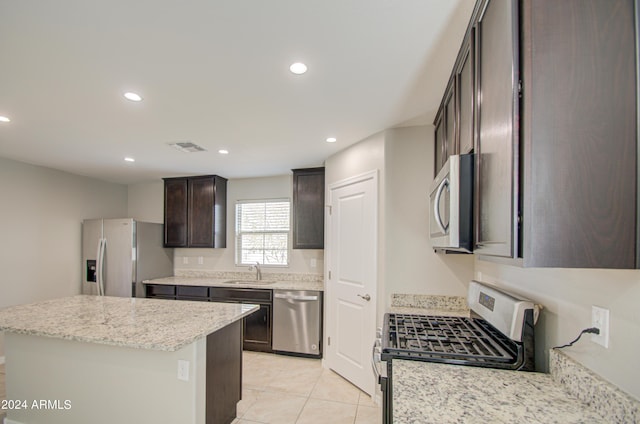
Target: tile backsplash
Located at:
point(248, 275)
point(611, 402)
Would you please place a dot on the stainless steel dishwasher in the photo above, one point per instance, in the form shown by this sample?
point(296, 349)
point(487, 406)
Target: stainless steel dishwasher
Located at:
point(297, 322)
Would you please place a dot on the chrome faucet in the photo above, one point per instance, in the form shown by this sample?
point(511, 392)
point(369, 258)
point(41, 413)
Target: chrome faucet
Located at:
point(258, 271)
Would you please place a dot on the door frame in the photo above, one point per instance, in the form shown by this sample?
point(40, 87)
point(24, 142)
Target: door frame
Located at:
point(328, 316)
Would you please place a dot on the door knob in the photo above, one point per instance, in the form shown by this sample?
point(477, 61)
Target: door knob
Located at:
point(365, 297)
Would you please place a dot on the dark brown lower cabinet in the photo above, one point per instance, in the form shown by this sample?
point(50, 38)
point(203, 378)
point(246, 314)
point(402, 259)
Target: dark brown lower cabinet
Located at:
point(160, 291)
point(197, 293)
point(224, 374)
point(256, 328)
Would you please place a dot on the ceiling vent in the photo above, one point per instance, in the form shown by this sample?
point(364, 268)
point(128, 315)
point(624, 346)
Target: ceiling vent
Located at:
point(187, 147)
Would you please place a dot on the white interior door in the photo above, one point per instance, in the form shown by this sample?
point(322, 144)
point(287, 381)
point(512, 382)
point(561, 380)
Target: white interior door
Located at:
point(352, 278)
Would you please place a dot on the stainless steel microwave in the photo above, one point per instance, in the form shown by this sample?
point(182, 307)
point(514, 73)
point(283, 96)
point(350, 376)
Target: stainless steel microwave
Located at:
point(451, 205)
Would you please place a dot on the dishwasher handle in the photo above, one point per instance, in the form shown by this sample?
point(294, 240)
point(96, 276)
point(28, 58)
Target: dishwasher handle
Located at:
point(294, 297)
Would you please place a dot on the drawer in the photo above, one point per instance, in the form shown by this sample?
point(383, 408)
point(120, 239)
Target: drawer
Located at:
point(193, 298)
point(154, 290)
point(243, 295)
point(192, 291)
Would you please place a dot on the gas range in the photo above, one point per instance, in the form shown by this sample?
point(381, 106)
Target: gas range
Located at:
point(453, 340)
point(498, 334)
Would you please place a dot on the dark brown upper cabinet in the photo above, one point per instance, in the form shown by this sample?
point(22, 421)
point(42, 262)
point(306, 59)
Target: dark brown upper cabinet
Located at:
point(440, 153)
point(496, 184)
point(308, 208)
point(579, 142)
point(554, 128)
point(465, 96)
point(454, 121)
point(195, 211)
point(445, 134)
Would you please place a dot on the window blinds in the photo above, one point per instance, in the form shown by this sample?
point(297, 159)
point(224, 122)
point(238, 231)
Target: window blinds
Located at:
point(262, 232)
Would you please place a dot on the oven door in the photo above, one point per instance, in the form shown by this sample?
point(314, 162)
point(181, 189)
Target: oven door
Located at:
point(451, 205)
point(382, 370)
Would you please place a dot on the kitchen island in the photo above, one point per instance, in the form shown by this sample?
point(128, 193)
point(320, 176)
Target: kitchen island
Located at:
point(105, 360)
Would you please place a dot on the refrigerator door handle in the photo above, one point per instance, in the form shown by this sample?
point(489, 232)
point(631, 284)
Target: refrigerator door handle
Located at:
point(102, 244)
point(98, 267)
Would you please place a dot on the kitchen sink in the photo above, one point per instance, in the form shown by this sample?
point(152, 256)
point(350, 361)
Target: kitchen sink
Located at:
point(249, 282)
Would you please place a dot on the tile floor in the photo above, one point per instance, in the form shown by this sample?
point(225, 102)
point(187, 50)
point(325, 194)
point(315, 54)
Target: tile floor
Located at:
point(288, 390)
point(281, 390)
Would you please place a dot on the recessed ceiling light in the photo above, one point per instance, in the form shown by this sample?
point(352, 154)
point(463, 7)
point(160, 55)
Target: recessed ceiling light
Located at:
point(331, 140)
point(223, 151)
point(298, 68)
point(134, 97)
point(4, 119)
point(128, 159)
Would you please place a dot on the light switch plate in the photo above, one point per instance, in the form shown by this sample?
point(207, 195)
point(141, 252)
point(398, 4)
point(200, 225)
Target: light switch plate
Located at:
point(600, 320)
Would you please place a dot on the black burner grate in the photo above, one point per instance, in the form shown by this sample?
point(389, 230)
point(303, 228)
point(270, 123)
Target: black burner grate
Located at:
point(447, 339)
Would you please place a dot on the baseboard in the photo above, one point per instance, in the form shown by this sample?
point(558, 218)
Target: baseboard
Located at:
point(8, 421)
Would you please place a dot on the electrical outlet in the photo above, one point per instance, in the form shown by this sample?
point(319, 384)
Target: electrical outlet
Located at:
point(200, 260)
point(313, 263)
point(183, 370)
point(600, 320)
point(185, 260)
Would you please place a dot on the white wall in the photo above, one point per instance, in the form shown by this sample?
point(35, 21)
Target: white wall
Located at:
point(406, 261)
point(365, 156)
point(567, 296)
point(145, 201)
point(411, 264)
point(40, 225)
point(277, 187)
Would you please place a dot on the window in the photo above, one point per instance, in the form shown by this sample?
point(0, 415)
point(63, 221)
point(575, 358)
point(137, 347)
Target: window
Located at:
point(262, 232)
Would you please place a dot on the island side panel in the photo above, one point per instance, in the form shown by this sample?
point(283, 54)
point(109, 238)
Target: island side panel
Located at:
point(103, 384)
point(224, 373)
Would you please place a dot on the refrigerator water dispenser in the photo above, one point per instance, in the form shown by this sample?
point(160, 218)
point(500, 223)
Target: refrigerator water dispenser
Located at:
point(91, 270)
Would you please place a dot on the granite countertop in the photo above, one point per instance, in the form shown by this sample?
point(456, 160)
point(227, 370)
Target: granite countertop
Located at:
point(416, 304)
point(428, 311)
point(223, 282)
point(426, 392)
point(153, 324)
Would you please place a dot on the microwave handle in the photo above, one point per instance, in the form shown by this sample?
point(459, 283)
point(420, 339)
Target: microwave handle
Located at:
point(436, 205)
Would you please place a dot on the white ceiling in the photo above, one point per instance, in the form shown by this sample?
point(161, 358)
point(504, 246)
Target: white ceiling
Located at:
point(215, 72)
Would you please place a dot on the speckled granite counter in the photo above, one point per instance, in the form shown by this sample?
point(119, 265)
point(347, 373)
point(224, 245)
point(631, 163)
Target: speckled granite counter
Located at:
point(130, 322)
point(428, 305)
point(222, 282)
point(437, 393)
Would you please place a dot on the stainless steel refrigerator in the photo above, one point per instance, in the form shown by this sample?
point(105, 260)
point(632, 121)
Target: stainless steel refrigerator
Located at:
point(118, 254)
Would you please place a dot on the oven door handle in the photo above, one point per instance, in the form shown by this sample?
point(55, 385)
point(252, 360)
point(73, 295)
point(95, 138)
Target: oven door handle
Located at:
point(376, 346)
